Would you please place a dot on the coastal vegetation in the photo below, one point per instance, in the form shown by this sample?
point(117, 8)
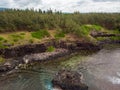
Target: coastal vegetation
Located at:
point(50, 49)
point(19, 27)
point(2, 60)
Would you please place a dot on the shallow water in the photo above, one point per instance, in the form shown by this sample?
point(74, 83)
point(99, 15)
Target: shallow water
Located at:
point(101, 71)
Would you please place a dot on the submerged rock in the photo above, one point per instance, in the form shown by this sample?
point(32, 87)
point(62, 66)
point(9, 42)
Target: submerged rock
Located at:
point(69, 80)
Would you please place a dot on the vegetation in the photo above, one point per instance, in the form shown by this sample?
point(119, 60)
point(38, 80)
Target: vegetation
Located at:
point(40, 34)
point(30, 20)
point(50, 49)
point(2, 60)
point(59, 34)
point(29, 26)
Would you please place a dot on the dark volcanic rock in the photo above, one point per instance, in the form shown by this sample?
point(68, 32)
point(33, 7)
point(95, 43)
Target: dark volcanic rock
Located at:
point(40, 48)
point(86, 46)
point(9, 65)
point(5, 68)
point(69, 80)
point(22, 50)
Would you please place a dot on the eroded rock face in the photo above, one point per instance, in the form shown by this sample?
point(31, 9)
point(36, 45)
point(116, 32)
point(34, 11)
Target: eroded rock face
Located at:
point(69, 80)
point(39, 57)
point(22, 50)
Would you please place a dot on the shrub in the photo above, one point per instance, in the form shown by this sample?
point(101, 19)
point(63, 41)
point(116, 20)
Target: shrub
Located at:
point(2, 46)
point(50, 49)
point(2, 60)
point(16, 37)
point(1, 38)
point(96, 27)
point(22, 33)
point(59, 34)
point(85, 29)
point(31, 41)
point(40, 34)
point(5, 41)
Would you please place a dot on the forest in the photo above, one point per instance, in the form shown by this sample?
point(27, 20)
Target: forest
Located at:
point(17, 20)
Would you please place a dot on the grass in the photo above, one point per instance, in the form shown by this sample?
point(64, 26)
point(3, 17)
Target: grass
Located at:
point(2, 46)
point(86, 29)
point(16, 38)
point(1, 38)
point(59, 35)
point(40, 34)
point(23, 37)
point(50, 49)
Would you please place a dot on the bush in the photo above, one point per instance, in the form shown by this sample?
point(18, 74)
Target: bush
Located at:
point(85, 29)
point(59, 34)
point(40, 34)
point(50, 49)
point(31, 41)
point(2, 46)
point(2, 60)
point(22, 33)
point(1, 38)
point(16, 37)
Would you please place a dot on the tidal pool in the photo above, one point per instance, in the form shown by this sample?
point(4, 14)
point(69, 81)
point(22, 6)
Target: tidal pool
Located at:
point(101, 71)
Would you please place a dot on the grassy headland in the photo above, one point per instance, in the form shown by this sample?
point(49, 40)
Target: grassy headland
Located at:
point(19, 27)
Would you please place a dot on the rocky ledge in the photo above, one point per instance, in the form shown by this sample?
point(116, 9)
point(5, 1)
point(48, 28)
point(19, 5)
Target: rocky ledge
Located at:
point(68, 80)
point(28, 54)
point(40, 57)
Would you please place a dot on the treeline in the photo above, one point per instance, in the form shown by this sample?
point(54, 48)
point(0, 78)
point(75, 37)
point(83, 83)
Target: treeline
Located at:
point(16, 20)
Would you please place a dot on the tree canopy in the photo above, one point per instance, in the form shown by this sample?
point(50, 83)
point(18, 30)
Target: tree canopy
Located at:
point(30, 20)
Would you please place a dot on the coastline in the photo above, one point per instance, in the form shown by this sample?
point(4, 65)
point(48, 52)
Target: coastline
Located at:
point(24, 55)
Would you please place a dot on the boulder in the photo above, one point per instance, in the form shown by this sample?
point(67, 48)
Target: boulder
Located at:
point(69, 80)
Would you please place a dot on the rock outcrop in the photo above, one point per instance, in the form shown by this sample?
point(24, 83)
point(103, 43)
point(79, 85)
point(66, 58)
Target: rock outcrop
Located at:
point(40, 48)
point(27, 54)
point(103, 34)
point(22, 50)
point(69, 80)
point(41, 57)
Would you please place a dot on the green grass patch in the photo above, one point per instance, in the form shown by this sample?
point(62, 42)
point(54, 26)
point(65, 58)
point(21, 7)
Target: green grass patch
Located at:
point(2, 60)
point(86, 29)
point(1, 38)
point(16, 37)
point(59, 35)
point(22, 33)
point(50, 49)
point(2, 46)
point(40, 34)
point(115, 38)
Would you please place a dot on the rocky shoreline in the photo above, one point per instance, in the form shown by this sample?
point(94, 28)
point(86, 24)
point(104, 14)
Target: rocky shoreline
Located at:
point(28, 54)
point(41, 57)
point(36, 53)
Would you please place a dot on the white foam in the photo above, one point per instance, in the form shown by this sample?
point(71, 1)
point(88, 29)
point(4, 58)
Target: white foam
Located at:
point(114, 80)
